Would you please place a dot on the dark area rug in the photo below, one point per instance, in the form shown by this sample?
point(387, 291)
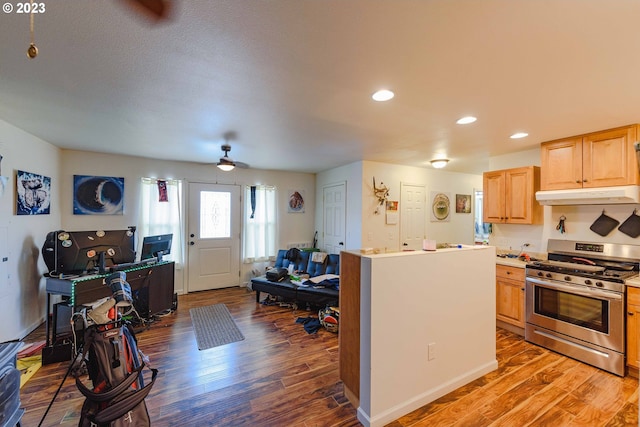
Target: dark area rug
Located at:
point(214, 326)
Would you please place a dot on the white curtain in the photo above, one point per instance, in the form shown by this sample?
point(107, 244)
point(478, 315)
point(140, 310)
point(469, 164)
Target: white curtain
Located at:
point(260, 227)
point(162, 217)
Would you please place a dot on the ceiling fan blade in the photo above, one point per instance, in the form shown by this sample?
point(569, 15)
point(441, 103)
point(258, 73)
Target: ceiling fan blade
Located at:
point(157, 10)
point(242, 165)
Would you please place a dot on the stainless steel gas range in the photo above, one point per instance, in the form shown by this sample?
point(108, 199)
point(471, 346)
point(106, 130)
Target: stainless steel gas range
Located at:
point(575, 301)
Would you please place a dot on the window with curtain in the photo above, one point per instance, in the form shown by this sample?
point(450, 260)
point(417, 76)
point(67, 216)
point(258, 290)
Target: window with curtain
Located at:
point(260, 225)
point(161, 213)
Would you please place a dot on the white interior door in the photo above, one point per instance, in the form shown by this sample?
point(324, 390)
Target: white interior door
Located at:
point(334, 232)
point(214, 236)
point(412, 216)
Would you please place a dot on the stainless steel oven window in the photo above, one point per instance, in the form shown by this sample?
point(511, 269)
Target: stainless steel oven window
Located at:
point(591, 313)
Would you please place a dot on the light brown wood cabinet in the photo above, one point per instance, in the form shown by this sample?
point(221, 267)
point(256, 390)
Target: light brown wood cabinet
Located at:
point(509, 196)
point(633, 326)
point(599, 159)
point(510, 283)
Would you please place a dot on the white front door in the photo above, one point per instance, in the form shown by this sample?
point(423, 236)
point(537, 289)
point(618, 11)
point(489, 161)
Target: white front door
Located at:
point(334, 233)
point(412, 217)
point(214, 236)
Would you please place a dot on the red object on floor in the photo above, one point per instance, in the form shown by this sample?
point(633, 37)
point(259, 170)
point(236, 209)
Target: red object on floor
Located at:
point(31, 349)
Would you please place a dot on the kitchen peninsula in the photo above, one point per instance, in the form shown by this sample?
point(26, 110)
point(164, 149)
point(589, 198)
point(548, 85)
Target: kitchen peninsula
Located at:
point(414, 326)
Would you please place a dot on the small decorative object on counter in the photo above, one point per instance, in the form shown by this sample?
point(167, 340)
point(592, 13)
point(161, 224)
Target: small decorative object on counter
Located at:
point(561, 228)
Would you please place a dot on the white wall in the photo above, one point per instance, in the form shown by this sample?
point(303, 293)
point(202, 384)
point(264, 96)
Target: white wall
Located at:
point(460, 227)
point(22, 288)
point(293, 227)
point(365, 228)
point(411, 300)
point(22, 291)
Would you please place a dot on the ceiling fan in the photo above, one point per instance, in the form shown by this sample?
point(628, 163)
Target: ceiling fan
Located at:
point(158, 10)
point(226, 163)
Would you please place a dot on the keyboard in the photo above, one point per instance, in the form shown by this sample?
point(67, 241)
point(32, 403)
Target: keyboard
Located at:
point(126, 266)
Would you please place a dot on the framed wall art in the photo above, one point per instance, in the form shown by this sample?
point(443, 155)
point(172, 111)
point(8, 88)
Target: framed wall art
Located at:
point(98, 195)
point(463, 203)
point(33, 194)
point(296, 201)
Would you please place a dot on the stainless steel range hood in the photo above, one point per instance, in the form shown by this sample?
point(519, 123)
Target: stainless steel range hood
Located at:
point(624, 194)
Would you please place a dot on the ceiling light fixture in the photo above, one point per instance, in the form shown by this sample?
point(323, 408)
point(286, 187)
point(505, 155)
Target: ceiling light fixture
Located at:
point(225, 167)
point(519, 135)
point(466, 120)
point(225, 163)
point(382, 95)
point(439, 163)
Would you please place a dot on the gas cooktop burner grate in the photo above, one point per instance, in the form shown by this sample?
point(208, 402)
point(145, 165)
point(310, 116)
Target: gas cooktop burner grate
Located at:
point(581, 270)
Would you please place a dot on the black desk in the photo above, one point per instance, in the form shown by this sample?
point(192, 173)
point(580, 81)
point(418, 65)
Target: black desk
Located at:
point(151, 285)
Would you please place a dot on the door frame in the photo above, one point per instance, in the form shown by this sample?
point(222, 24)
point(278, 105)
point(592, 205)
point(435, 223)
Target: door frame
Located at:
point(424, 210)
point(344, 219)
point(187, 252)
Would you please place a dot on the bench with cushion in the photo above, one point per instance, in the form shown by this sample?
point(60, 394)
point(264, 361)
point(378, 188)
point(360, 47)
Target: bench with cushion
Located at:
point(301, 293)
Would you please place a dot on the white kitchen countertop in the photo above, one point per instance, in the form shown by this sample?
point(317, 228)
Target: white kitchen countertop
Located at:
point(635, 282)
point(512, 262)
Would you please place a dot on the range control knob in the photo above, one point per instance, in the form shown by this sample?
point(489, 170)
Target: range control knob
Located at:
point(549, 275)
point(540, 274)
point(600, 284)
point(567, 278)
point(588, 282)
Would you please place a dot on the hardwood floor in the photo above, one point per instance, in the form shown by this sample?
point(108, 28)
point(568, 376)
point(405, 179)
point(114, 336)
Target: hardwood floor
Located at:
point(282, 376)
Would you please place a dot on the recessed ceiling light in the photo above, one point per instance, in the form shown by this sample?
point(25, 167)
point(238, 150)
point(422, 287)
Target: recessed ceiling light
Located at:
point(382, 95)
point(466, 120)
point(518, 135)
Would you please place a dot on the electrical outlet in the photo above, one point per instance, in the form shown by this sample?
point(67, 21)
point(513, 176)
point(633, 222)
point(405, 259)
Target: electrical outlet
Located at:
point(431, 351)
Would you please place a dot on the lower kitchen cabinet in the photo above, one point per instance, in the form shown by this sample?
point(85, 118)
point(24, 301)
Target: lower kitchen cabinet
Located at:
point(633, 326)
point(510, 295)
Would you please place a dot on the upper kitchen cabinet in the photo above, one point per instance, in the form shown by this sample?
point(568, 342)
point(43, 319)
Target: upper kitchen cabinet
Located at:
point(599, 159)
point(509, 196)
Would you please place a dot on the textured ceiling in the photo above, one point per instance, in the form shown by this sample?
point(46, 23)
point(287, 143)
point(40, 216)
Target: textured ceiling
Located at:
point(293, 78)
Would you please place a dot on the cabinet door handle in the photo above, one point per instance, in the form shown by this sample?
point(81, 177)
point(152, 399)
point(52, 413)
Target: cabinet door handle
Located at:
point(584, 180)
point(522, 289)
point(630, 313)
point(578, 181)
point(508, 272)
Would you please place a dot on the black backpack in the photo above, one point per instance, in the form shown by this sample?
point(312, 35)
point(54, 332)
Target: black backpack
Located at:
point(115, 366)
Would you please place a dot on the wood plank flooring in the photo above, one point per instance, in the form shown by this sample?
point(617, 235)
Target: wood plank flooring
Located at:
point(282, 376)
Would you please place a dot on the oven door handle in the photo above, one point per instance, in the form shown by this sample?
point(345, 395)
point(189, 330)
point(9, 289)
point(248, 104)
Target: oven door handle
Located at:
point(577, 290)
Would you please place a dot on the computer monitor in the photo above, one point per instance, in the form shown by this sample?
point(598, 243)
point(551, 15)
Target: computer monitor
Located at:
point(156, 246)
point(77, 252)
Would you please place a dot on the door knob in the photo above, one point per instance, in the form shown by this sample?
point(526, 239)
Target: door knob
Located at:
point(405, 244)
point(192, 235)
point(341, 243)
point(191, 243)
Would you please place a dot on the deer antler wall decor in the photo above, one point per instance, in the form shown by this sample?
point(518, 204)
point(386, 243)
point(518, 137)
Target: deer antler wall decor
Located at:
point(381, 193)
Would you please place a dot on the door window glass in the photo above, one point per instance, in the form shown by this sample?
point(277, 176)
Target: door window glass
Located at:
point(215, 215)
